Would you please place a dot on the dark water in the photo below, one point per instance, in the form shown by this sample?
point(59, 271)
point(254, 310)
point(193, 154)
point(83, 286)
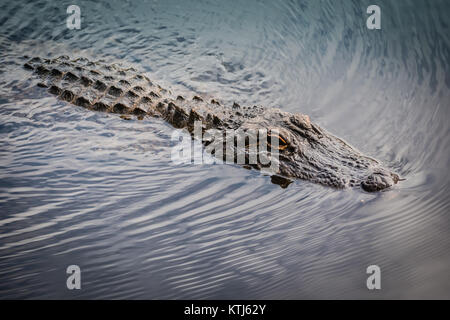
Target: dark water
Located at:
point(90, 189)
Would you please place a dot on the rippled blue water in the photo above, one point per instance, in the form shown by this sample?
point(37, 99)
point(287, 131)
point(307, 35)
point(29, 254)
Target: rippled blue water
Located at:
point(90, 189)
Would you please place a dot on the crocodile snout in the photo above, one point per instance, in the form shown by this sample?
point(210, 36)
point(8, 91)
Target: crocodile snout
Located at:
point(378, 180)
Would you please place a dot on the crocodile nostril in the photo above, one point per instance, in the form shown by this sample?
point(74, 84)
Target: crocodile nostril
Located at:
point(395, 177)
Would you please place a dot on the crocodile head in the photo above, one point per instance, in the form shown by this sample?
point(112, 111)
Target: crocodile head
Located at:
point(306, 151)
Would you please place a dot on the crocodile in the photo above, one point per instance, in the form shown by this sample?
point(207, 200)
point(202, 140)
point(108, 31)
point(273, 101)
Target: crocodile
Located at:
point(306, 151)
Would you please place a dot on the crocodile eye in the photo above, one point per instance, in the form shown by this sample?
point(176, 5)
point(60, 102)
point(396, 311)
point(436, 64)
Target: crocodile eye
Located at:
point(282, 143)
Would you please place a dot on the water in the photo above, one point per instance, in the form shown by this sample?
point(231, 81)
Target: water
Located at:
point(90, 189)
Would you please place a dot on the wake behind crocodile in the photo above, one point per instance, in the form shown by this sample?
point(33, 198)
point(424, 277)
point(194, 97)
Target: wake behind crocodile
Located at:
point(299, 148)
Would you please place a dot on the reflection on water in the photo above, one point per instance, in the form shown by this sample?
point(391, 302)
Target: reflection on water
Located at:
point(90, 189)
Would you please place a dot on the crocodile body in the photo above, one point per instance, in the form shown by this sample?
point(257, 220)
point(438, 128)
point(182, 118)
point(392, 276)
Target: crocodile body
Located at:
point(307, 151)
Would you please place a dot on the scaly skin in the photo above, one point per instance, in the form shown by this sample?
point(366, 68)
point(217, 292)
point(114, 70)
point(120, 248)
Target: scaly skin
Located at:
point(306, 151)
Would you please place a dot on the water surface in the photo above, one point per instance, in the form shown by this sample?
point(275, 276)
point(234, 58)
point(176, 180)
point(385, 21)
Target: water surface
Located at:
point(91, 189)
